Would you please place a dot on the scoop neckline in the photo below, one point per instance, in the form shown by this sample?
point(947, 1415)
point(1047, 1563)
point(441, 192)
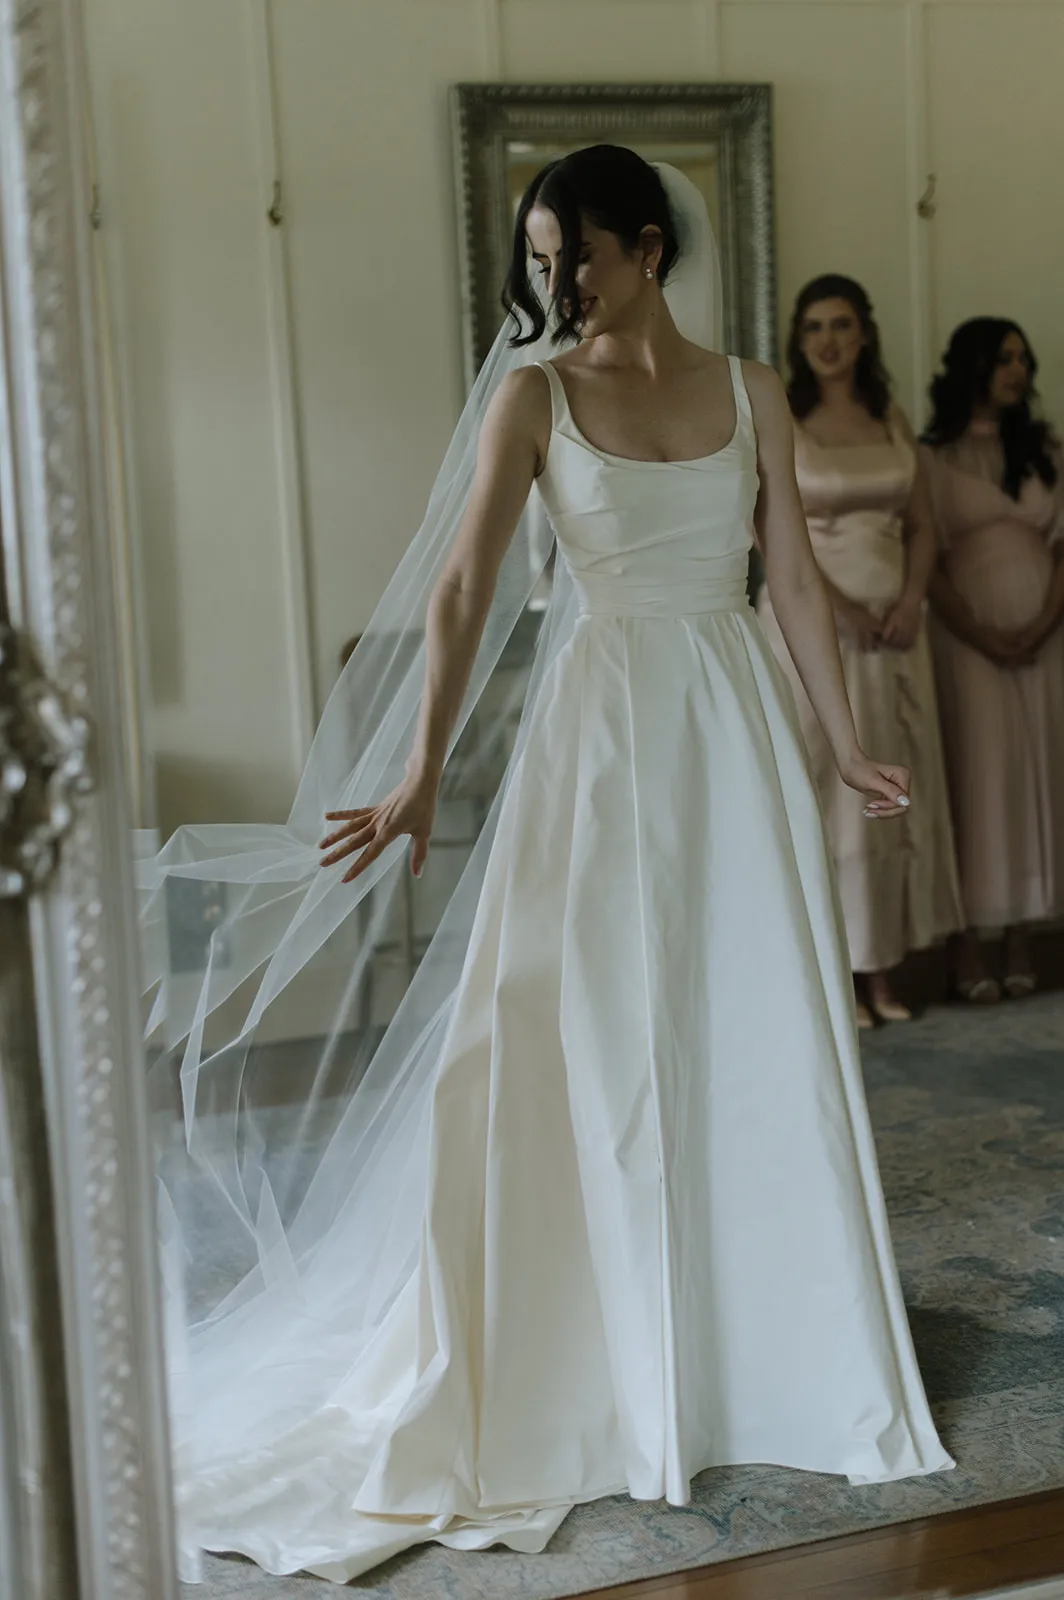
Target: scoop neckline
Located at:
point(637, 461)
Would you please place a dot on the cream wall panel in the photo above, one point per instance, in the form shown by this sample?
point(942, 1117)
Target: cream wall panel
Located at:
point(996, 128)
point(588, 41)
point(839, 72)
point(185, 214)
point(363, 126)
point(370, 244)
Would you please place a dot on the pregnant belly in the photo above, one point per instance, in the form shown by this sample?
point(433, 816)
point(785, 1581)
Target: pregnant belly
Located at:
point(1003, 572)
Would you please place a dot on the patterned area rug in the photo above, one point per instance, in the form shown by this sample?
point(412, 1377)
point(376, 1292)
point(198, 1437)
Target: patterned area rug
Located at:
point(968, 1107)
point(1054, 1590)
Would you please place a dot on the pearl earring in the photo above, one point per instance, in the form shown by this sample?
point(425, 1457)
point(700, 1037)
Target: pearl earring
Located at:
point(648, 272)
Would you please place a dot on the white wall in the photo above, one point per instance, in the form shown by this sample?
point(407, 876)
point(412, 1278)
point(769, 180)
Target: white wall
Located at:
point(260, 563)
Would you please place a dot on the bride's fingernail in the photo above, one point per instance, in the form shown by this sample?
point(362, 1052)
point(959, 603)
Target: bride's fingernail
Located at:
point(903, 799)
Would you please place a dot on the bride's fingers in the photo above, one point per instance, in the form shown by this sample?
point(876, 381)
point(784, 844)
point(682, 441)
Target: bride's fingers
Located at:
point(350, 845)
point(419, 850)
point(344, 840)
point(368, 856)
point(888, 793)
point(350, 819)
point(893, 806)
point(348, 831)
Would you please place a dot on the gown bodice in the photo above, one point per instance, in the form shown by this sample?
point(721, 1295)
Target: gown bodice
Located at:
point(652, 538)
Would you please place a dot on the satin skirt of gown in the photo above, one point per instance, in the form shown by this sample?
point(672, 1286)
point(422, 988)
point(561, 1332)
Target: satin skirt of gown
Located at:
point(655, 1239)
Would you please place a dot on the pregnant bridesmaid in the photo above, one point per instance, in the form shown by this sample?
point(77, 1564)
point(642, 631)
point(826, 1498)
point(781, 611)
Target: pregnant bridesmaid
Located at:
point(998, 602)
point(870, 521)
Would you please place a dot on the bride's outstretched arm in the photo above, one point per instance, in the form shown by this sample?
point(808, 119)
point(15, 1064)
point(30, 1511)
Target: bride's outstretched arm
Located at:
point(800, 599)
point(511, 449)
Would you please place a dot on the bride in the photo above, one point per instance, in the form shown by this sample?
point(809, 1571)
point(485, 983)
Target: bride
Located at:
point(602, 1211)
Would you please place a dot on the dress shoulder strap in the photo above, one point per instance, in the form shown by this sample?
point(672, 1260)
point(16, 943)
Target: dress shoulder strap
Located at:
point(742, 398)
point(744, 411)
point(559, 406)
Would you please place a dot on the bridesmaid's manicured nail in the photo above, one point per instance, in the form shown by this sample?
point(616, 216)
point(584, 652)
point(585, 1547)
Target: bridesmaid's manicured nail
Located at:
point(903, 799)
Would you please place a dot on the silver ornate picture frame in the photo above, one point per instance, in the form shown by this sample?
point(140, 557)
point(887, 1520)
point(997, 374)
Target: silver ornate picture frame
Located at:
point(719, 133)
point(83, 1435)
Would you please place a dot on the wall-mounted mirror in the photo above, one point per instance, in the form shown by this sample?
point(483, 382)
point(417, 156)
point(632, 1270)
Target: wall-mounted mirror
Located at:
point(720, 135)
point(232, 359)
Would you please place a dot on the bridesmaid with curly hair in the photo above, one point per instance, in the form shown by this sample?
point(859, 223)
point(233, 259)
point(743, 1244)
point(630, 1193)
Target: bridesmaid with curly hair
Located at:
point(870, 521)
point(998, 599)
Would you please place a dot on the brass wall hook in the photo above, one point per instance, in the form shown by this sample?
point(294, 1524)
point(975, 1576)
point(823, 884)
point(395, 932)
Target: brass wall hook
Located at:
point(925, 206)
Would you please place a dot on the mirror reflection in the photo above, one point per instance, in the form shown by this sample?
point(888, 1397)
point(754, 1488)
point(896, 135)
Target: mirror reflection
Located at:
point(599, 1021)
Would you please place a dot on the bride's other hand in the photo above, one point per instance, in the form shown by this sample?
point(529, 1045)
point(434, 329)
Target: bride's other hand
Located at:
point(885, 784)
point(409, 809)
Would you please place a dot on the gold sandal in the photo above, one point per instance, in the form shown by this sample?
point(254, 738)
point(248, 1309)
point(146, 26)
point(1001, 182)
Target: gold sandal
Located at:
point(891, 1011)
point(978, 991)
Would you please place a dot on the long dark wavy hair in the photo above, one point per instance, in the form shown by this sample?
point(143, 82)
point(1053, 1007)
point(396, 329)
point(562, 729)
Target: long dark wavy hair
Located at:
point(614, 189)
point(871, 379)
point(964, 383)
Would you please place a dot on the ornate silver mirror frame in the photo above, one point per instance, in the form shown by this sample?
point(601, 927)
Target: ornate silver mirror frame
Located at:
point(104, 1490)
point(720, 133)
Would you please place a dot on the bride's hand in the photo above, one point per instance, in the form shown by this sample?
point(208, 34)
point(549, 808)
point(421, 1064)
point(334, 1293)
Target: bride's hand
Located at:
point(411, 808)
point(885, 784)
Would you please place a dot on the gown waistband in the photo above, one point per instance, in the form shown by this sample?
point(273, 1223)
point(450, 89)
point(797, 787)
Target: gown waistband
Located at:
point(602, 594)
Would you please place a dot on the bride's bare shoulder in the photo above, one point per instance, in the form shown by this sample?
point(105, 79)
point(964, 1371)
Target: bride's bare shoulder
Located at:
point(520, 408)
point(573, 359)
point(768, 397)
point(523, 394)
point(762, 379)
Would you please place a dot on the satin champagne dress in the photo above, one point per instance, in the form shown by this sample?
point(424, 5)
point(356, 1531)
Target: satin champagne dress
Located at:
point(898, 884)
point(1003, 727)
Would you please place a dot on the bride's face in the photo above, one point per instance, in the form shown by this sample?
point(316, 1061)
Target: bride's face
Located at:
point(831, 339)
point(612, 285)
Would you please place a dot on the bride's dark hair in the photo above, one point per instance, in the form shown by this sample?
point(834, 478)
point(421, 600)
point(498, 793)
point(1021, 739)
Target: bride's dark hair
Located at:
point(964, 382)
point(871, 379)
point(614, 189)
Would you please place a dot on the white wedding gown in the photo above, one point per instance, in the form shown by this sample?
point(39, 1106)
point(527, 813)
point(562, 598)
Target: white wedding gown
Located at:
point(655, 1238)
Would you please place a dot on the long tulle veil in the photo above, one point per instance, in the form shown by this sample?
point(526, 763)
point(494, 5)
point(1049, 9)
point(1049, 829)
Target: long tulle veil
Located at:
point(291, 1053)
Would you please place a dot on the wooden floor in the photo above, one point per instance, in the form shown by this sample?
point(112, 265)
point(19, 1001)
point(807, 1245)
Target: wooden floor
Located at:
point(965, 1553)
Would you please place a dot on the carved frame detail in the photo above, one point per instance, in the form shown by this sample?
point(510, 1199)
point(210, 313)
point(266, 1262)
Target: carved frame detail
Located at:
point(737, 116)
point(56, 562)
